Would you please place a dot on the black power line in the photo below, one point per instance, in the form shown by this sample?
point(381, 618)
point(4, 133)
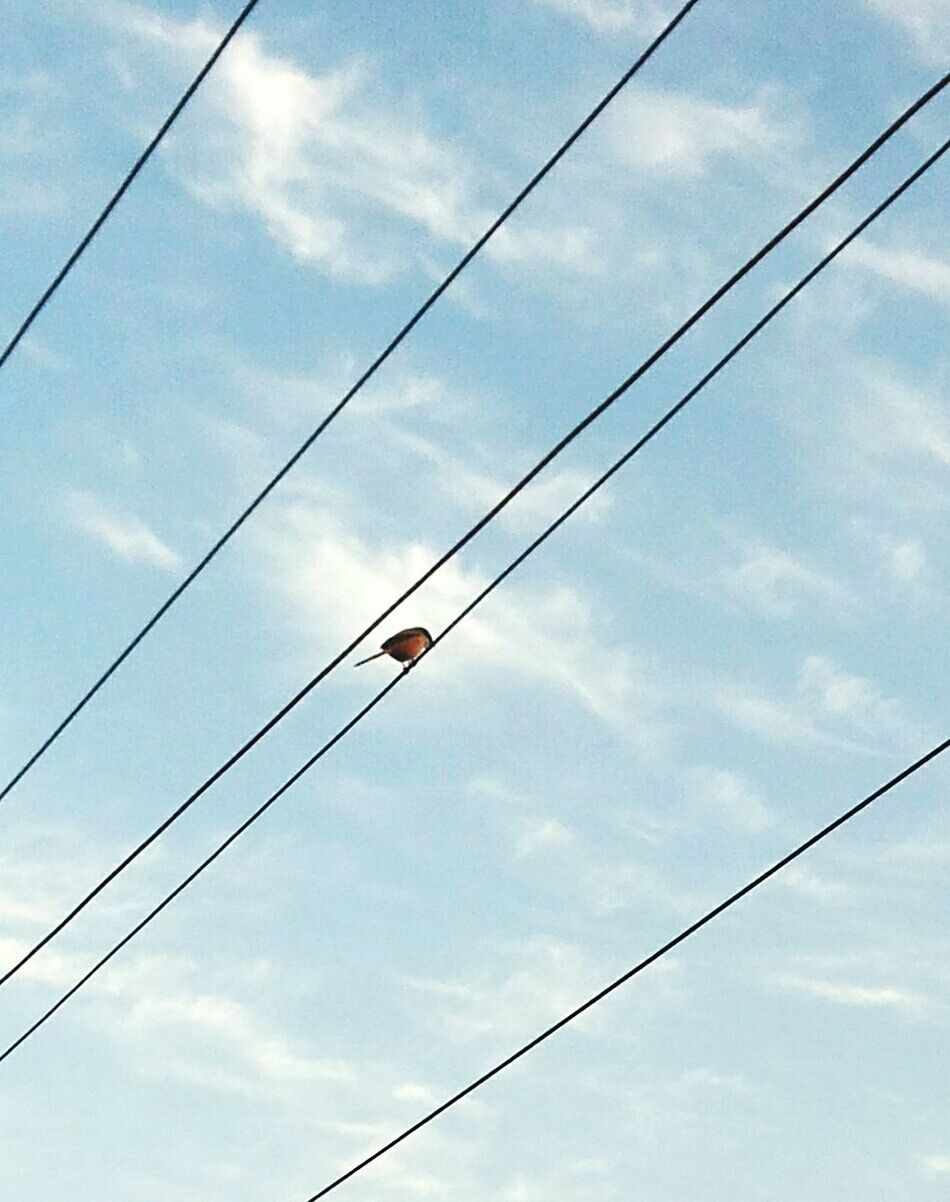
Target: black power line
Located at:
point(127, 182)
point(363, 379)
point(581, 500)
point(638, 968)
point(481, 523)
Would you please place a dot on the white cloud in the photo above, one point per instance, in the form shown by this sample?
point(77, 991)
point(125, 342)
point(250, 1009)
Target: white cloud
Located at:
point(339, 178)
point(549, 979)
point(612, 16)
point(124, 534)
point(935, 1166)
point(476, 491)
point(605, 878)
point(853, 699)
point(907, 559)
point(229, 1046)
point(778, 584)
point(338, 581)
point(804, 880)
point(775, 720)
point(829, 707)
point(541, 834)
point(412, 1091)
point(910, 269)
point(858, 995)
point(891, 418)
point(680, 134)
point(927, 22)
point(730, 795)
point(295, 149)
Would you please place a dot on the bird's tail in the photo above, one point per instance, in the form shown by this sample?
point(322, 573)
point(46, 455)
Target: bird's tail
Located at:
point(368, 658)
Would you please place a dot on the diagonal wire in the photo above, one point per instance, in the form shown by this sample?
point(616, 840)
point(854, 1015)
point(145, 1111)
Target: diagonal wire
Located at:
point(549, 530)
point(127, 182)
point(685, 934)
point(697, 314)
point(363, 379)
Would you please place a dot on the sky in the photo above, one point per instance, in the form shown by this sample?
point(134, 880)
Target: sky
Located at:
point(739, 638)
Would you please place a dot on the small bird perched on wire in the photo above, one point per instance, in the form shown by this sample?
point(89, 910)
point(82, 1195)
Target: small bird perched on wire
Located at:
point(406, 647)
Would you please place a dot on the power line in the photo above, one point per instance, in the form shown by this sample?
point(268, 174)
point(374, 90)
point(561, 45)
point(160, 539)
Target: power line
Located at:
point(479, 525)
point(363, 379)
point(637, 968)
point(549, 530)
point(127, 182)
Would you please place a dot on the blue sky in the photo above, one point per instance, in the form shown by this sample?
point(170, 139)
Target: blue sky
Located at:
point(737, 640)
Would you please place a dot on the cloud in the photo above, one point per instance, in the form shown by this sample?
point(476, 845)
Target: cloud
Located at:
point(124, 534)
point(935, 1166)
point(803, 880)
point(339, 178)
point(675, 133)
point(542, 834)
point(829, 707)
point(907, 559)
point(910, 269)
point(611, 16)
point(29, 140)
point(926, 22)
point(299, 151)
point(338, 580)
point(776, 583)
point(895, 419)
point(549, 978)
point(220, 1043)
point(853, 699)
point(731, 796)
point(858, 995)
point(476, 491)
point(777, 721)
point(570, 862)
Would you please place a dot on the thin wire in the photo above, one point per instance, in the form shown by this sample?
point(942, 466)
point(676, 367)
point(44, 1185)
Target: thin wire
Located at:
point(269, 725)
point(637, 968)
point(671, 413)
point(127, 182)
point(364, 378)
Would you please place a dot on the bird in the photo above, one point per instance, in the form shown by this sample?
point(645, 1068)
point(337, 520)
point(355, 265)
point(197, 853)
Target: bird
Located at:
point(406, 647)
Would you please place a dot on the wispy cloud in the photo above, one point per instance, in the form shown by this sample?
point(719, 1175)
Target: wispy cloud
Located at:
point(910, 269)
point(935, 1166)
point(531, 983)
point(607, 877)
point(895, 419)
point(776, 583)
point(125, 535)
point(477, 491)
point(804, 880)
point(337, 179)
point(926, 22)
point(847, 994)
point(908, 559)
point(220, 1043)
point(337, 580)
point(611, 16)
point(675, 133)
point(731, 796)
point(830, 707)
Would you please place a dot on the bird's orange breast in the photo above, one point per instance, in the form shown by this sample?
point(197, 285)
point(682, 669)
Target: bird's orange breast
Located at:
point(406, 646)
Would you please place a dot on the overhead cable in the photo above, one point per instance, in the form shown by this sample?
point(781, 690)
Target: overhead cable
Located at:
point(532, 547)
point(637, 968)
point(344, 401)
point(127, 182)
point(479, 525)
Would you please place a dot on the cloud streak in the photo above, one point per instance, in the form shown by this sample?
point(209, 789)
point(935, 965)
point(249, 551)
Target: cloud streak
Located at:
point(125, 535)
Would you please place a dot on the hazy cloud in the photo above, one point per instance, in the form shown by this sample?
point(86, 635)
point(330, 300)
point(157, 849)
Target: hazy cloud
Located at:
point(125, 535)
